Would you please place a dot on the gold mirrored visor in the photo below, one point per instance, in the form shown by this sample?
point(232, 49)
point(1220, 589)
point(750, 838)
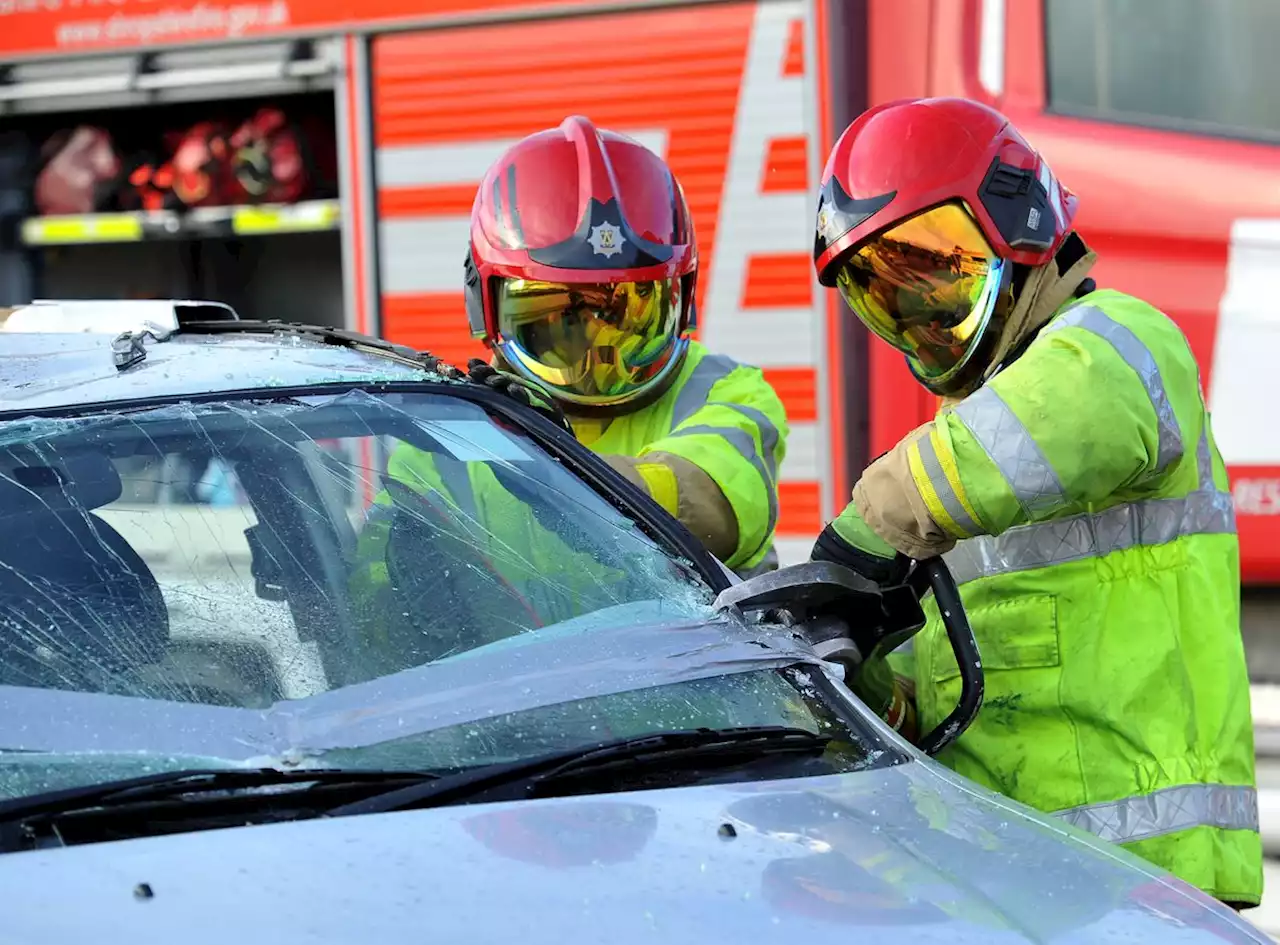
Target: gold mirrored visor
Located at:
point(593, 343)
point(928, 286)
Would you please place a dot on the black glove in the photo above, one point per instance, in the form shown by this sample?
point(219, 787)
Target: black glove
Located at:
point(484, 373)
point(481, 372)
point(851, 542)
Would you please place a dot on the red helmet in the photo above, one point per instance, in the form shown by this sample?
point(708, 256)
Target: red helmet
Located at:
point(925, 205)
point(582, 267)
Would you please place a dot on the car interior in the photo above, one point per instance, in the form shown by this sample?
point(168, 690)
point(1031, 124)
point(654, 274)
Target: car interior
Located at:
point(86, 610)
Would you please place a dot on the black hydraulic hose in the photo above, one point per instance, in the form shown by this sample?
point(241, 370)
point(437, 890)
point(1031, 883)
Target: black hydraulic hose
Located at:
point(965, 647)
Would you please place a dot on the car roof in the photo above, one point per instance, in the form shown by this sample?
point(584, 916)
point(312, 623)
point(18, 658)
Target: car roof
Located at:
point(43, 371)
point(60, 353)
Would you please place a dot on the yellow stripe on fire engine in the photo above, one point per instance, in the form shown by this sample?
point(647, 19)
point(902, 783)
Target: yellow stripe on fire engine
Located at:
point(285, 218)
point(87, 228)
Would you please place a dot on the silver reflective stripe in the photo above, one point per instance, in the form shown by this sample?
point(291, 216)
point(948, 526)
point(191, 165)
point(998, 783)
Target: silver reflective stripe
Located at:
point(1153, 522)
point(1169, 810)
point(693, 396)
point(1015, 453)
point(1092, 535)
point(1204, 460)
point(696, 394)
point(942, 486)
point(768, 436)
point(745, 444)
point(1139, 358)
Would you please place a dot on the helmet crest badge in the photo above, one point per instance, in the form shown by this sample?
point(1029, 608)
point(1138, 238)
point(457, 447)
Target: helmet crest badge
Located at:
point(606, 239)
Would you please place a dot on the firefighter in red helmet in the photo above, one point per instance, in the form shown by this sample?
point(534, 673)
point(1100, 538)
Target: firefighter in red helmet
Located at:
point(581, 275)
point(1071, 480)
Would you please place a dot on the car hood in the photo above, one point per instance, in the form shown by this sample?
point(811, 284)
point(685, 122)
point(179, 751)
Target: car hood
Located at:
point(904, 854)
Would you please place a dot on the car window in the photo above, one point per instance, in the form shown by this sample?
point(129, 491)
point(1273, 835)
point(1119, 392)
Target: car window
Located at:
point(1183, 64)
point(249, 559)
point(185, 515)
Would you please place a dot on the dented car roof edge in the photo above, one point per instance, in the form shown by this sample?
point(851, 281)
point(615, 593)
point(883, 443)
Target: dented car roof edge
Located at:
point(51, 371)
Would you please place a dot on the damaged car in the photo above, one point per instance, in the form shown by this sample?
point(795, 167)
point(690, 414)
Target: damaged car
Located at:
point(304, 637)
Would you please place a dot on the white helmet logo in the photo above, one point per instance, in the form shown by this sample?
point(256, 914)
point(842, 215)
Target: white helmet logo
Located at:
point(828, 228)
point(606, 239)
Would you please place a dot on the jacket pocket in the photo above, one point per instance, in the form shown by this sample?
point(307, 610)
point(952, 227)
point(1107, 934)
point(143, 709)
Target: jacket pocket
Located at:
point(1021, 633)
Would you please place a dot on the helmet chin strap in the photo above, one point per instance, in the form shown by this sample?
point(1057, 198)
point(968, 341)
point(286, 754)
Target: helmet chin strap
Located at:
point(1045, 291)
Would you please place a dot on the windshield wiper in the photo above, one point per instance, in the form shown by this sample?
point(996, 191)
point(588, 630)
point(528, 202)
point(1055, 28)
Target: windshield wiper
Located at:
point(621, 760)
point(22, 818)
point(197, 799)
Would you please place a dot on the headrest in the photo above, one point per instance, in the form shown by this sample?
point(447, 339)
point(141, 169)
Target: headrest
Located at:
point(85, 480)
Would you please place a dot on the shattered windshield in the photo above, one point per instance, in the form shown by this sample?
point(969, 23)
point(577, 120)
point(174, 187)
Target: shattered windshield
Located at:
point(368, 579)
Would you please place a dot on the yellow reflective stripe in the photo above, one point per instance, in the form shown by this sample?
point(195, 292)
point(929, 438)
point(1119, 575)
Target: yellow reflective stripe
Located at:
point(947, 460)
point(925, 486)
point(661, 482)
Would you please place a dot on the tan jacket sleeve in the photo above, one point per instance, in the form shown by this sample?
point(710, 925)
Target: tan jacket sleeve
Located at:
point(887, 499)
point(688, 493)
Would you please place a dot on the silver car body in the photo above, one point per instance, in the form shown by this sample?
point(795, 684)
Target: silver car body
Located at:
point(908, 853)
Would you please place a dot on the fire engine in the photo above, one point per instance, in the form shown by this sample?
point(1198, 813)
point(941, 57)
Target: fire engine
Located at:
point(398, 107)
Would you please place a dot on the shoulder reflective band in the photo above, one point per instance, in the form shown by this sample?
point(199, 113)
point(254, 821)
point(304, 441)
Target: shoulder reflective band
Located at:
point(696, 394)
point(1169, 810)
point(697, 389)
point(745, 445)
point(768, 436)
point(1094, 535)
point(1034, 483)
point(1135, 354)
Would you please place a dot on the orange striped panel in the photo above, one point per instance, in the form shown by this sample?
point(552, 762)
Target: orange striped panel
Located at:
point(778, 280)
point(442, 200)
point(681, 73)
point(799, 509)
point(435, 322)
point(786, 165)
point(794, 63)
point(797, 388)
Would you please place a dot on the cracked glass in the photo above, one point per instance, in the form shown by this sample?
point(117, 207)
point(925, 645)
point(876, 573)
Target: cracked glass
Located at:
point(356, 579)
